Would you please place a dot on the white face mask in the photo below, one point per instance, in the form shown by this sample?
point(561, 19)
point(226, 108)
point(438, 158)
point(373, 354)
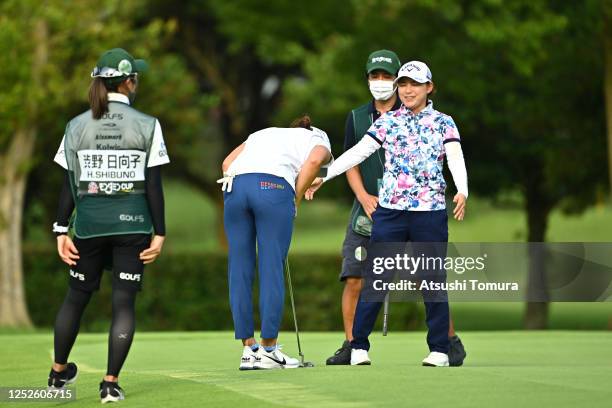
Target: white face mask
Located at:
point(382, 90)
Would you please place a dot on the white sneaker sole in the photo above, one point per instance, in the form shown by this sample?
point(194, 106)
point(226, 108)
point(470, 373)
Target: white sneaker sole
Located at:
point(430, 364)
point(246, 367)
point(365, 362)
point(110, 398)
point(275, 367)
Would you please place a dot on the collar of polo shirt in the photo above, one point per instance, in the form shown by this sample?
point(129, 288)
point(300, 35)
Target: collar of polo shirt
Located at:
point(426, 110)
point(118, 97)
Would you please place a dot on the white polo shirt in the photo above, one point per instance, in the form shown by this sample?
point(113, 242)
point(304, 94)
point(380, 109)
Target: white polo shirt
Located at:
point(279, 151)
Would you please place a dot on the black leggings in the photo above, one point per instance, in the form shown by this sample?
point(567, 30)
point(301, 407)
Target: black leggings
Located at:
point(121, 333)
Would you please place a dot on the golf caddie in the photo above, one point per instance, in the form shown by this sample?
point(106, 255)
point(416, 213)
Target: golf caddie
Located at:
point(112, 155)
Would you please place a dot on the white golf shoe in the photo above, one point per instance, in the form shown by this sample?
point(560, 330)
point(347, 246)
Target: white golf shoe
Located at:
point(248, 359)
point(436, 359)
point(265, 360)
point(360, 357)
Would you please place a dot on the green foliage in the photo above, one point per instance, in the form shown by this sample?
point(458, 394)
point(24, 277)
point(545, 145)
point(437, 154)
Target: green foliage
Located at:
point(78, 32)
point(516, 75)
point(510, 72)
point(279, 31)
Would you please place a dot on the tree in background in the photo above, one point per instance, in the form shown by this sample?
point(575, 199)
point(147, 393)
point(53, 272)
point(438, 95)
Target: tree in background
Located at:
point(607, 38)
point(48, 50)
point(523, 80)
point(516, 75)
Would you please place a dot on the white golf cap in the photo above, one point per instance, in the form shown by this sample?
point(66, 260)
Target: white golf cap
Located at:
point(417, 70)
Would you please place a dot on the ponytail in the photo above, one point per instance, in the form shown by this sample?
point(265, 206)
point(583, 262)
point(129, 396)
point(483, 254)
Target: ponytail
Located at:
point(302, 122)
point(98, 98)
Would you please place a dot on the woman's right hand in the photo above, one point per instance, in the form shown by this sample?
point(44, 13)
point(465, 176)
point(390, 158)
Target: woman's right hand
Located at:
point(369, 203)
point(66, 249)
point(459, 210)
point(316, 184)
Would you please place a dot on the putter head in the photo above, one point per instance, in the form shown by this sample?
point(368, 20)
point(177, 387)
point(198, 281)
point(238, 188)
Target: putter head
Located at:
point(305, 364)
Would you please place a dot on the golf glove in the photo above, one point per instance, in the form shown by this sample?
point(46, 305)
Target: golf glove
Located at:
point(226, 182)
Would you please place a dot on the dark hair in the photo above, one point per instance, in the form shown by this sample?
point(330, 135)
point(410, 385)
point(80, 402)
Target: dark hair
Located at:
point(98, 98)
point(433, 89)
point(98, 94)
point(303, 122)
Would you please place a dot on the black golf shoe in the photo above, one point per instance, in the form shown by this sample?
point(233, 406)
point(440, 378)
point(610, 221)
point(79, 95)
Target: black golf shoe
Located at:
point(59, 379)
point(456, 353)
point(342, 356)
point(110, 392)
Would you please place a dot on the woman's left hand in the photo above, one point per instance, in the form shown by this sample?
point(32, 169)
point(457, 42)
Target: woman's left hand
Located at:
point(150, 255)
point(459, 211)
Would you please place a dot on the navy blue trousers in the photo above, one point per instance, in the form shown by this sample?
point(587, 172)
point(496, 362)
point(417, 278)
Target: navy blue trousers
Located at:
point(403, 226)
point(258, 216)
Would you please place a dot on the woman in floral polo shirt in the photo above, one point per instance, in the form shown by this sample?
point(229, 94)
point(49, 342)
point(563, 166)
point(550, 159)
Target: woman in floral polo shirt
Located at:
point(412, 207)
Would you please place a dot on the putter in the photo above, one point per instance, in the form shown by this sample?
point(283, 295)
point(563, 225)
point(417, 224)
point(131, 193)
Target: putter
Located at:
point(385, 315)
point(303, 364)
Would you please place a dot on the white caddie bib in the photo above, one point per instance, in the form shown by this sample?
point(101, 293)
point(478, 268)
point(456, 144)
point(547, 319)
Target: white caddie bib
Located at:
point(111, 171)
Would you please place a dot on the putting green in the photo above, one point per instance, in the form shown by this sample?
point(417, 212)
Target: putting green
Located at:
point(503, 369)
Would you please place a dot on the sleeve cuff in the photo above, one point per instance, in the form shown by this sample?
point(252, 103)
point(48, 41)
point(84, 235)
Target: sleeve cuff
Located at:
point(60, 229)
point(373, 136)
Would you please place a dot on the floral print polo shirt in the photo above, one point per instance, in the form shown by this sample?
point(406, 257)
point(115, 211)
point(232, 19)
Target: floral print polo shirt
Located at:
point(414, 153)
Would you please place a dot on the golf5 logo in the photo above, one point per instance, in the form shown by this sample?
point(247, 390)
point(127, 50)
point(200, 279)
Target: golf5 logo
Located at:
point(162, 150)
point(77, 275)
point(130, 276)
point(382, 59)
point(132, 217)
point(117, 116)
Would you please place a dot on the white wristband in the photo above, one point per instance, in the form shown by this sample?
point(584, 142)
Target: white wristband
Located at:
point(59, 229)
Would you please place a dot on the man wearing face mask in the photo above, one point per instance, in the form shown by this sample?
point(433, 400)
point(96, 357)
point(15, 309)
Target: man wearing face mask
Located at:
point(381, 70)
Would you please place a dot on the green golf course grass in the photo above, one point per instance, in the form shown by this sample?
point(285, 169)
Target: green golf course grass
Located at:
point(189, 369)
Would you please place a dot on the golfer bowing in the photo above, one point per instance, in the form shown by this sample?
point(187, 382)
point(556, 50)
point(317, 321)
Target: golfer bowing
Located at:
point(264, 181)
